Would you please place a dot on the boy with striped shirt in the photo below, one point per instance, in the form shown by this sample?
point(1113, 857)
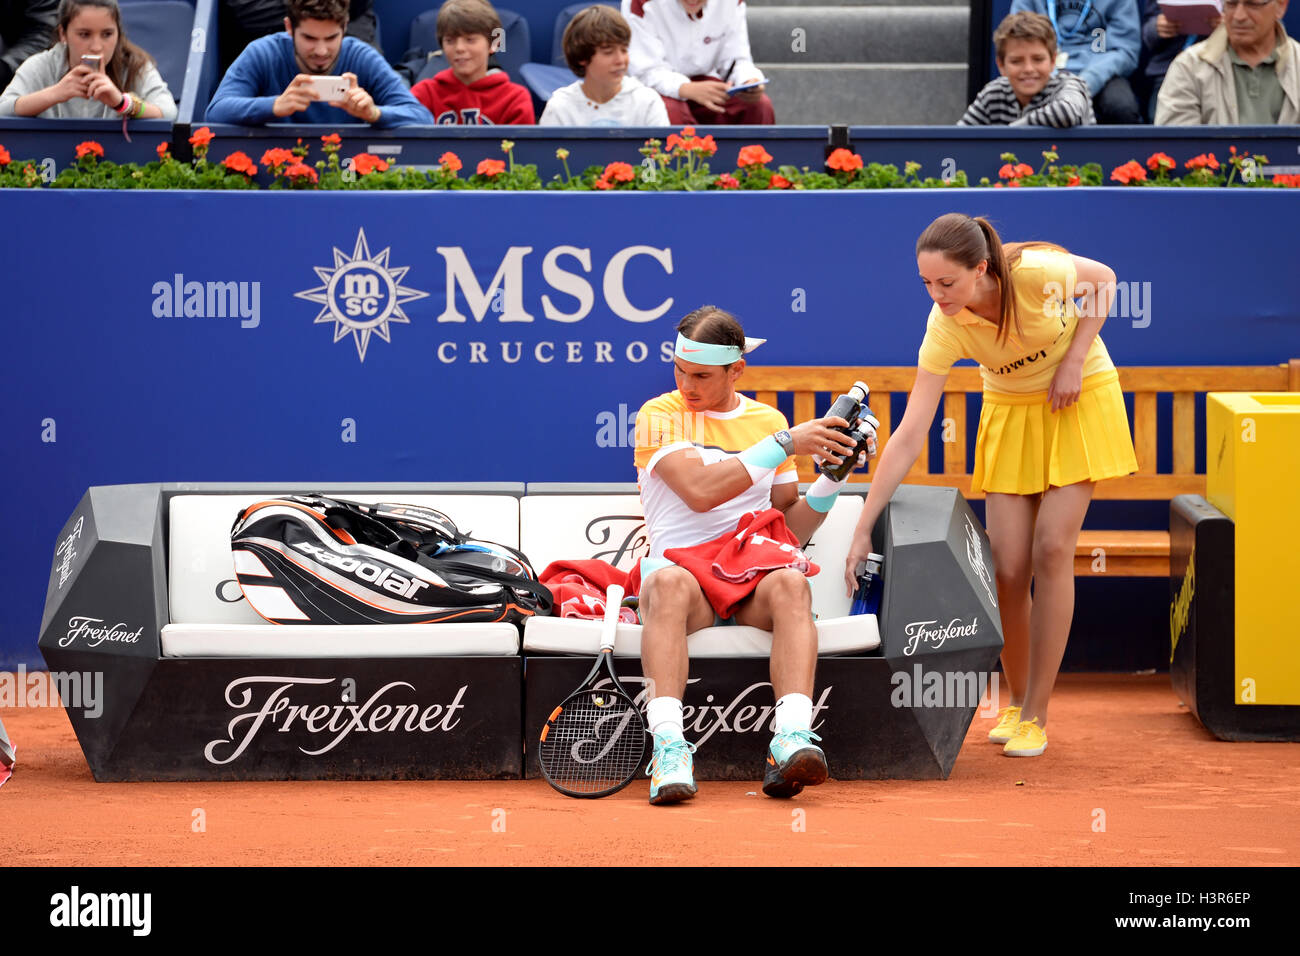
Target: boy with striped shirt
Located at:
point(1029, 93)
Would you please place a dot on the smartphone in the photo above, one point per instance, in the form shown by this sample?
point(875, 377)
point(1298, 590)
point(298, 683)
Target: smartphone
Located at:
point(732, 91)
point(92, 60)
point(329, 89)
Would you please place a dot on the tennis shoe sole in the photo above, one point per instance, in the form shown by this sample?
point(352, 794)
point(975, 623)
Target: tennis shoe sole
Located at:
point(674, 793)
point(805, 768)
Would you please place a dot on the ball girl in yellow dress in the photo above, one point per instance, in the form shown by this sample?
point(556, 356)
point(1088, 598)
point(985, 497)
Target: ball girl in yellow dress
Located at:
point(1053, 424)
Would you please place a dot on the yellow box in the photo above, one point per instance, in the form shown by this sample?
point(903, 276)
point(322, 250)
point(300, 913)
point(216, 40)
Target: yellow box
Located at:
point(1252, 474)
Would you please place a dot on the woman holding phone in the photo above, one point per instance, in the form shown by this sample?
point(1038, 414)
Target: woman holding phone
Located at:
point(92, 72)
point(1053, 424)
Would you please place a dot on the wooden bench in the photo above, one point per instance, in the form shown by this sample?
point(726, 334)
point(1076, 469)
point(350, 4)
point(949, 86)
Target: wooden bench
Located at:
point(1116, 553)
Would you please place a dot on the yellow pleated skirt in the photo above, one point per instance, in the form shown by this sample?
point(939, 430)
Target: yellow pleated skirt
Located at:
point(1024, 448)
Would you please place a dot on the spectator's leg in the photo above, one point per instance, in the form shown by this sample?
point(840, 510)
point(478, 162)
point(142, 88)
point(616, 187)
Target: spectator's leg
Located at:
point(1155, 96)
point(1116, 104)
point(679, 111)
point(742, 113)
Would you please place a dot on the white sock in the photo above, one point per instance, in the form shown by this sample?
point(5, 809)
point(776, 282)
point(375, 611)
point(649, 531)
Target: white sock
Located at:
point(793, 712)
point(664, 715)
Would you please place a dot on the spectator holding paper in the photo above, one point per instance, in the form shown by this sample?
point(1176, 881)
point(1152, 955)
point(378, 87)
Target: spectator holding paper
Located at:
point(1247, 72)
point(1164, 37)
point(695, 54)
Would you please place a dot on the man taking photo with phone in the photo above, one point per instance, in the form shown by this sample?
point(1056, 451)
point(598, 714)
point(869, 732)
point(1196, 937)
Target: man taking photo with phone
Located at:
point(310, 73)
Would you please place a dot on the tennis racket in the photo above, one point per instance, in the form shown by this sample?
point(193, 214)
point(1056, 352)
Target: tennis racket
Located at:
point(594, 742)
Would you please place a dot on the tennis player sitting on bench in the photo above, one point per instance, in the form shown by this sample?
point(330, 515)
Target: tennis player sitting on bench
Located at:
point(706, 459)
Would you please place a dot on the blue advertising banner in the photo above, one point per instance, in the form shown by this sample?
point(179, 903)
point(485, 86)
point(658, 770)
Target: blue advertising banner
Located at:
point(498, 336)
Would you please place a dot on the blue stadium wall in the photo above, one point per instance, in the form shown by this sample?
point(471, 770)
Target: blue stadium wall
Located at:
point(513, 336)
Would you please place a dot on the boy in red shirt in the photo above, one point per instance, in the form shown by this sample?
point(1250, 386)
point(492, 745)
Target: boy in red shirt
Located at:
point(470, 92)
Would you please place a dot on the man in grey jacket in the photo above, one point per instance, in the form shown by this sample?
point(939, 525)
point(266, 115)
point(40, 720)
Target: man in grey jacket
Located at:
point(26, 27)
point(1246, 73)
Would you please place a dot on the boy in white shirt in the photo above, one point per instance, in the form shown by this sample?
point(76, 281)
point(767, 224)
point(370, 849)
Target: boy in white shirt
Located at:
point(693, 52)
point(595, 46)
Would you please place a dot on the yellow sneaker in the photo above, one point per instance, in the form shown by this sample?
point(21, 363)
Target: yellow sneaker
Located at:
point(1030, 740)
point(1005, 728)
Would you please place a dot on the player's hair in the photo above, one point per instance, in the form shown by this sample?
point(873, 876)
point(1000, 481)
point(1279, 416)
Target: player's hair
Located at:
point(128, 59)
point(591, 29)
point(334, 10)
point(1025, 26)
point(458, 18)
point(967, 241)
point(714, 326)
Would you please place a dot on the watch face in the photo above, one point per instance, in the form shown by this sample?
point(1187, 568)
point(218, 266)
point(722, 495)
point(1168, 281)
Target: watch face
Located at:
point(786, 441)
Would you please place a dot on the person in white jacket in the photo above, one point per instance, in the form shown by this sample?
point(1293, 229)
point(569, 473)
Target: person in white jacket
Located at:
point(596, 48)
point(1247, 72)
point(694, 53)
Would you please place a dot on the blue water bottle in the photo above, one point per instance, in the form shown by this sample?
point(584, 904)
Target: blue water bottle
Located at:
point(866, 600)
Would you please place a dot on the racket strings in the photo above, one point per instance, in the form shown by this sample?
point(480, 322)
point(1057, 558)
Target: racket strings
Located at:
point(597, 742)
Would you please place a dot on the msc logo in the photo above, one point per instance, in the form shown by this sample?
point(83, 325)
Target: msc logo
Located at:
point(361, 295)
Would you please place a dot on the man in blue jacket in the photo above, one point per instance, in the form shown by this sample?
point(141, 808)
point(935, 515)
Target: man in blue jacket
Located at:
point(273, 78)
point(1099, 40)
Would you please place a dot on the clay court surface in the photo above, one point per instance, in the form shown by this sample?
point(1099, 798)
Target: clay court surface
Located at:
point(1129, 778)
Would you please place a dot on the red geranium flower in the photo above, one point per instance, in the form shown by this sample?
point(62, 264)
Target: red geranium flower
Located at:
point(1131, 171)
point(1072, 181)
point(367, 163)
point(1289, 180)
point(673, 142)
point(1160, 161)
point(620, 172)
point(1203, 161)
point(333, 139)
point(705, 146)
point(163, 149)
point(844, 160)
point(728, 181)
point(89, 148)
point(491, 167)
point(450, 162)
point(601, 183)
point(778, 182)
point(278, 157)
point(300, 171)
point(688, 131)
point(238, 162)
point(202, 137)
point(4, 156)
point(753, 156)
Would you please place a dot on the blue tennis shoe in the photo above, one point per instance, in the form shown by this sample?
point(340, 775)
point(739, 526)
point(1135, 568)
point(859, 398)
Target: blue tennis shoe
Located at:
point(793, 762)
point(671, 770)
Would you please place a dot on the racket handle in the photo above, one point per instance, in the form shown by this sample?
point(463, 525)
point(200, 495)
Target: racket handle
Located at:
point(609, 626)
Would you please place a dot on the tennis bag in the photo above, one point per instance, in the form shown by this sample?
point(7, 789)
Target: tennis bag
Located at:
point(308, 559)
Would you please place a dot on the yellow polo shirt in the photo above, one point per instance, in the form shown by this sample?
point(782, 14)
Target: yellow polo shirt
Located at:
point(1044, 284)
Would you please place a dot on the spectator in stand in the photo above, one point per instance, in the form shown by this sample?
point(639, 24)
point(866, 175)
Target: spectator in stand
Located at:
point(691, 52)
point(472, 91)
point(1247, 73)
point(243, 21)
point(26, 28)
point(1029, 93)
point(273, 78)
point(595, 46)
point(92, 72)
point(1099, 40)
point(1161, 42)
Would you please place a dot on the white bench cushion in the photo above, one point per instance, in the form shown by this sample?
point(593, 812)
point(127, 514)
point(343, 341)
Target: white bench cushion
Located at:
point(841, 635)
point(340, 640)
point(199, 557)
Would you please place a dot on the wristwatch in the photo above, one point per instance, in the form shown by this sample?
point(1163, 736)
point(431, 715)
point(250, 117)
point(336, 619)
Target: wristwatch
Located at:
point(785, 440)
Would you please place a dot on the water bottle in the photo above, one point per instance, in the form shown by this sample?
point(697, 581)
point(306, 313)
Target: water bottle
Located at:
point(851, 407)
point(866, 600)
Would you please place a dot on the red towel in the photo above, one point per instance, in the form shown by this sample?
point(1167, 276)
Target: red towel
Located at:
point(579, 588)
point(731, 566)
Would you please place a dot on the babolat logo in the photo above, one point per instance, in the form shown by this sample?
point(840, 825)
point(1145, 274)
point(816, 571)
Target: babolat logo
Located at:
point(372, 574)
point(361, 294)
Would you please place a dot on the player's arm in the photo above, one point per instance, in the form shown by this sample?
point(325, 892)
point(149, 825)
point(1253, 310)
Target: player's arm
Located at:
point(1067, 383)
point(703, 487)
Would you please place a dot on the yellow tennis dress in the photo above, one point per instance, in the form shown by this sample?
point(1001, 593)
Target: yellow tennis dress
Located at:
point(1023, 447)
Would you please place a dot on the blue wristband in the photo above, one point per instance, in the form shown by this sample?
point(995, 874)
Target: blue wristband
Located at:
point(821, 496)
point(763, 458)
